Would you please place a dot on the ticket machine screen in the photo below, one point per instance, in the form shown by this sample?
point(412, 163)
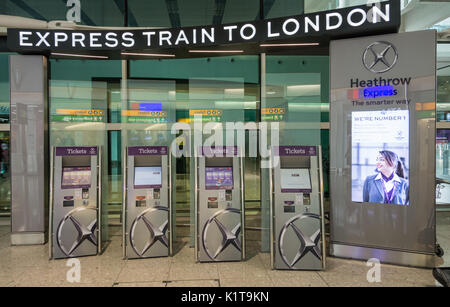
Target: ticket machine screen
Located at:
point(76, 177)
point(218, 178)
point(147, 177)
point(295, 180)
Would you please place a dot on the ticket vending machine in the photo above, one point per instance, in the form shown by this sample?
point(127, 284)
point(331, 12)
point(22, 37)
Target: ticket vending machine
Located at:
point(219, 224)
point(147, 203)
point(75, 203)
point(297, 241)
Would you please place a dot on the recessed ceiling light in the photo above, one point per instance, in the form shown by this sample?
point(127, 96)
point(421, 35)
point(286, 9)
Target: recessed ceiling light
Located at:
point(216, 51)
point(289, 45)
point(149, 54)
point(80, 55)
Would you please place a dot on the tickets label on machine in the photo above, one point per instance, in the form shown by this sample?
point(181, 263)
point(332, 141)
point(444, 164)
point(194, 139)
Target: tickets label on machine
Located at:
point(147, 188)
point(297, 208)
point(74, 223)
point(219, 230)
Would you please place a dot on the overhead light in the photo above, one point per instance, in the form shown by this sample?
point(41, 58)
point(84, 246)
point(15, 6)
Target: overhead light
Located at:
point(216, 51)
point(303, 90)
point(234, 92)
point(236, 104)
point(289, 45)
point(149, 54)
point(86, 126)
point(80, 55)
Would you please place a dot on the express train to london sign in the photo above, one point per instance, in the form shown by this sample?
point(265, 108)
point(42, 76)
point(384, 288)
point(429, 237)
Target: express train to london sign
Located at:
point(347, 22)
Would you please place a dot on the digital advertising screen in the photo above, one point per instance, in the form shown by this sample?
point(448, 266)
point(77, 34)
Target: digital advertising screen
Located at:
point(217, 178)
point(295, 180)
point(380, 157)
point(147, 177)
point(76, 178)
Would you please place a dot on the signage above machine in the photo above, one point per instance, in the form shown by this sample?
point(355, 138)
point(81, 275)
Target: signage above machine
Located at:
point(347, 22)
point(147, 151)
point(76, 151)
point(296, 151)
point(218, 151)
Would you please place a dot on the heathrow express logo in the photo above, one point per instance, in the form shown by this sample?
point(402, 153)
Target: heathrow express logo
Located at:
point(229, 237)
point(308, 244)
point(380, 57)
point(83, 232)
point(156, 233)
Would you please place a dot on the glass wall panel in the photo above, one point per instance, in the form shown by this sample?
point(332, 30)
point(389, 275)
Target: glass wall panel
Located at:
point(173, 13)
point(148, 112)
point(5, 182)
point(4, 88)
point(443, 134)
point(325, 5)
point(79, 115)
point(114, 197)
point(226, 84)
point(294, 90)
point(443, 83)
point(280, 8)
point(5, 179)
point(92, 13)
point(114, 101)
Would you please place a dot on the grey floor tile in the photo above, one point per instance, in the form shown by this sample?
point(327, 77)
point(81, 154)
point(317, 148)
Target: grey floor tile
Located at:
point(193, 271)
point(193, 283)
point(251, 268)
point(88, 285)
point(140, 284)
point(301, 280)
point(146, 270)
point(251, 282)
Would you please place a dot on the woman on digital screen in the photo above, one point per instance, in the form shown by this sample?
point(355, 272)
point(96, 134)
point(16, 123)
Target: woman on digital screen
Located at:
point(389, 186)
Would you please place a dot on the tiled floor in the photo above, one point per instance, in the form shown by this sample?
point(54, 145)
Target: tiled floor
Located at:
point(443, 235)
point(29, 266)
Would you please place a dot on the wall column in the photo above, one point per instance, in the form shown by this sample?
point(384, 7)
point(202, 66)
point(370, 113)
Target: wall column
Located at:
point(29, 149)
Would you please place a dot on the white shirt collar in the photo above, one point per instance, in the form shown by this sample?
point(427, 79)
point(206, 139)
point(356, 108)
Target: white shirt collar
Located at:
point(396, 177)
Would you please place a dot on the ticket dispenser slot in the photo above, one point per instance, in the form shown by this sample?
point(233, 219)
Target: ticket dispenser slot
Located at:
point(147, 210)
point(75, 202)
point(219, 199)
point(297, 236)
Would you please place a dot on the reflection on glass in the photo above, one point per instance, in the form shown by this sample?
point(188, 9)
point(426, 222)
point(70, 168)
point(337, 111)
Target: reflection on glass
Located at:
point(78, 116)
point(442, 166)
point(92, 13)
point(190, 13)
point(221, 89)
point(4, 89)
point(443, 96)
point(443, 135)
point(5, 182)
point(296, 92)
point(325, 5)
